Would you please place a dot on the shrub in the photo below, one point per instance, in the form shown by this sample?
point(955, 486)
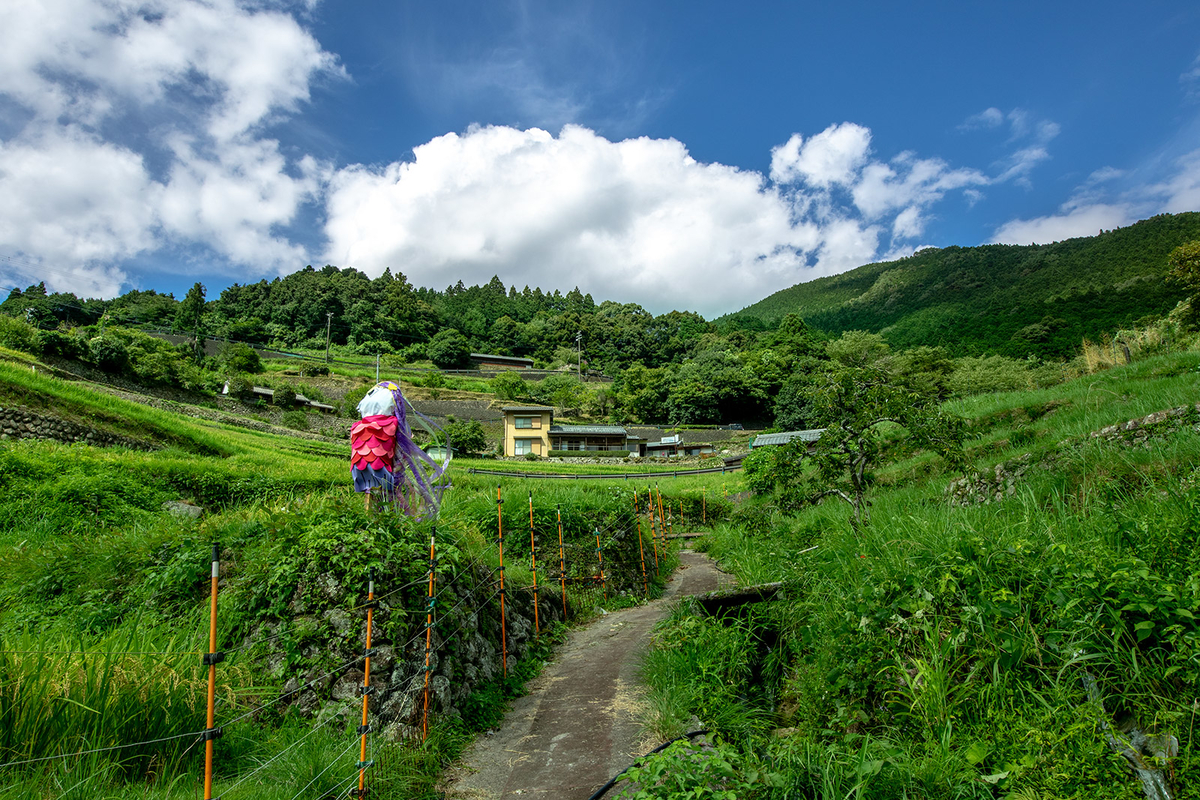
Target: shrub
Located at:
point(108, 353)
point(241, 387)
point(313, 370)
point(466, 437)
point(509, 386)
point(285, 396)
point(295, 419)
point(19, 335)
point(153, 367)
point(374, 347)
point(60, 343)
point(238, 357)
point(434, 380)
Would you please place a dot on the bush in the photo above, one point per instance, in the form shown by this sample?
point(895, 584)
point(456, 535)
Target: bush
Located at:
point(60, 343)
point(241, 387)
point(18, 334)
point(153, 367)
point(982, 374)
point(285, 396)
point(108, 353)
point(238, 357)
point(309, 370)
point(509, 386)
point(295, 419)
point(374, 347)
point(466, 437)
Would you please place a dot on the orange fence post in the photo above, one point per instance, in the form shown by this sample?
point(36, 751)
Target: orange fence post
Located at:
point(500, 534)
point(533, 567)
point(562, 564)
point(653, 529)
point(211, 659)
point(364, 728)
point(637, 516)
point(600, 560)
point(429, 603)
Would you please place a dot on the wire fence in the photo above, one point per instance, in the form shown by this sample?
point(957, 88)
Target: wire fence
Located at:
point(619, 476)
point(569, 577)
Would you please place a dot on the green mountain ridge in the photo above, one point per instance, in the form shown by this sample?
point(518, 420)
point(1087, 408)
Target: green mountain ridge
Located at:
point(1005, 299)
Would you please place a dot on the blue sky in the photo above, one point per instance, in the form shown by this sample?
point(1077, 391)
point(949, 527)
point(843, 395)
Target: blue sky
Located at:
point(678, 155)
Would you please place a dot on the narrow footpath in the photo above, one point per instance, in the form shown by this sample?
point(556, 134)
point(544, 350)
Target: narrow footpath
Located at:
point(579, 725)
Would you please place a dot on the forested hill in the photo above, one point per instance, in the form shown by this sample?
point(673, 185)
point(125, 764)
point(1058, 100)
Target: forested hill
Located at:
point(1006, 299)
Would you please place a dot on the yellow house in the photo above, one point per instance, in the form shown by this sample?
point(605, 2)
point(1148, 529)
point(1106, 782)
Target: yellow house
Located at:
point(527, 430)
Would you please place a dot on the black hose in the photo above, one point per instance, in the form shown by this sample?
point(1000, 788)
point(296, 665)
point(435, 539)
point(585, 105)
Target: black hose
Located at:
point(596, 795)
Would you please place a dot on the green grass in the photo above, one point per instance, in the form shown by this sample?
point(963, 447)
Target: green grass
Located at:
point(96, 578)
point(941, 651)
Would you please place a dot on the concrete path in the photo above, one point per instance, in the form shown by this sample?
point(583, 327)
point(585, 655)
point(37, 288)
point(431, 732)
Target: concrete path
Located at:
point(578, 726)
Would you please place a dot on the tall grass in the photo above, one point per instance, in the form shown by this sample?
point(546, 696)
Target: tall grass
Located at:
point(941, 651)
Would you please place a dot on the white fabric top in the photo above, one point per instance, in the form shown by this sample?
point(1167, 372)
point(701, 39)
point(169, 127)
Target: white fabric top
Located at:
point(377, 401)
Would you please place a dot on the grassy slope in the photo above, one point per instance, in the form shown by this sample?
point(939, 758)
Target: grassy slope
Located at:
point(944, 651)
point(90, 561)
point(1094, 285)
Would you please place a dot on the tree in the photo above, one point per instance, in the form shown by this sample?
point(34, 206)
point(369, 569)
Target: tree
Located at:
point(467, 437)
point(238, 357)
point(857, 349)
point(861, 409)
point(857, 405)
point(189, 315)
point(1184, 266)
point(1184, 269)
point(449, 349)
point(284, 396)
point(508, 385)
point(108, 353)
point(562, 390)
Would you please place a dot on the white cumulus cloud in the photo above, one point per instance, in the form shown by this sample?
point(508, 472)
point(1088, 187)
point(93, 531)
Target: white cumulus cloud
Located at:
point(636, 219)
point(832, 157)
point(138, 124)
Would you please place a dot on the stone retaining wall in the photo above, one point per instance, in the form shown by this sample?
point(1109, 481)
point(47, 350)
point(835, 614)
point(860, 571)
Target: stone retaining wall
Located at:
point(1000, 481)
point(19, 423)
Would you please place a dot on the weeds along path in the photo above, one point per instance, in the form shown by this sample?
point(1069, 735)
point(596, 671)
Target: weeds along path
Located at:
point(578, 725)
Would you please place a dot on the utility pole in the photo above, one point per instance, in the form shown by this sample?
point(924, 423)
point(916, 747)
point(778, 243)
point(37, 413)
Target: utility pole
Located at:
point(579, 354)
point(377, 367)
point(328, 322)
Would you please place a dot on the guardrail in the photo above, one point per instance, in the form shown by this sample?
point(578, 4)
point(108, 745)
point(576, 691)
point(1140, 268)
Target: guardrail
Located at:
point(679, 473)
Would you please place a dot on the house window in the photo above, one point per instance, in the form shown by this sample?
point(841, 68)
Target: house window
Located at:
point(527, 422)
point(523, 447)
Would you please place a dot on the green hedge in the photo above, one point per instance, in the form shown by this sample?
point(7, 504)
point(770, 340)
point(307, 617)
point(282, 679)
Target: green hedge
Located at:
point(589, 453)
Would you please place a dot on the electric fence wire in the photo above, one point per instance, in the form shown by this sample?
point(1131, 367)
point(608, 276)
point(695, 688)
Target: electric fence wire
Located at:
point(196, 734)
point(332, 764)
point(444, 639)
point(447, 639)
point(81, 652)
point(347, 785)
point(285, 695)
point(333, 716)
